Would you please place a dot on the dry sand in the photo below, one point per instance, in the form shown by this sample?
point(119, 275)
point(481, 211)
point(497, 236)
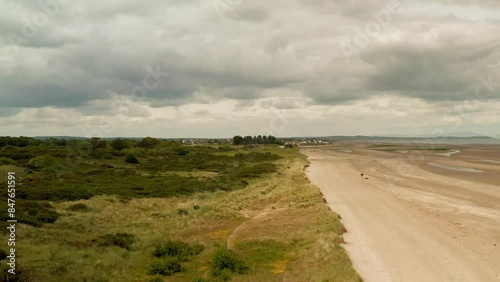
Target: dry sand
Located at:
point(411, 221)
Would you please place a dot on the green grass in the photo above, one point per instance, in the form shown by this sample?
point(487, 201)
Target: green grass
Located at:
point(94, 217)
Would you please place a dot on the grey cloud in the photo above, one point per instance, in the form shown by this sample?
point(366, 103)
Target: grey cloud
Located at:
point(95, 48)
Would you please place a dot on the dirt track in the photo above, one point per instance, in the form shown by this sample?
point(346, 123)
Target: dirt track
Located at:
point(411, 221)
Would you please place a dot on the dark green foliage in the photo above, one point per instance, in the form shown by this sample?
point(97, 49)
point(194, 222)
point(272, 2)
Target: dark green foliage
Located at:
point(3, 254)
point(148, 142)
point(255, 171)
point(78, 207)
point(119, 144)
point(249, 140)
point(76, 172)
point(42, 162)
point(171, 254)
point(98, 143)
point(122, 240)
point(196, 207)
point(131, 159)
point(32, 213)
point(18, 141)
point(7, 161)
point(177, 249)
point(181, 151)
point(165, 267)
point(225, 261)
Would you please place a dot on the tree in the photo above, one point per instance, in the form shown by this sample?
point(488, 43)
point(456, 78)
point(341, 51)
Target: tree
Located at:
point(119, 144)
point(98, 143)
point(237, 140)
point(148, 142)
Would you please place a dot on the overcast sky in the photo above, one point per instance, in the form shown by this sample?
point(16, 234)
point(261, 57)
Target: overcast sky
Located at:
point(186, 68)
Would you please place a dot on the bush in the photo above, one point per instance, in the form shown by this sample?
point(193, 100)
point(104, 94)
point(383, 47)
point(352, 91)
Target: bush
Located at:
point(7, 161)
point(131, 159)
point(3, 254)
point(177, 249)
point(196, 207)
point(165, 267)
point(122, 240)
point(78, 207)
point(41, 162)
point(225, 260)
point(33, 213)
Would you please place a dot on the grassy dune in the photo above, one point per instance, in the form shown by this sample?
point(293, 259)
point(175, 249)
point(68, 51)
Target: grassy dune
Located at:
point(277, 225)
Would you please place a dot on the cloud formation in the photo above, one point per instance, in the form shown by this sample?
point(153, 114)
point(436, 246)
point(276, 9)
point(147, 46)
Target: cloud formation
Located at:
point(74, 58)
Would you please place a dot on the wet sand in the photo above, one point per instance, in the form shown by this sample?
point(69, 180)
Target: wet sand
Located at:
point(411, 221)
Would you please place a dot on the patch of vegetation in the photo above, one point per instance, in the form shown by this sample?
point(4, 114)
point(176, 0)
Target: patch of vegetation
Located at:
point(166, 267)
point(20, 276)
point(3, 254)
point(42, 162)
point(33, 213)
point(122, 240)
point(226, 262)
point(170, 175)
point(78, 207)
point(170, 255)
point(7, 161)
point(177, 249)
point(263, 252)
point(131, 159)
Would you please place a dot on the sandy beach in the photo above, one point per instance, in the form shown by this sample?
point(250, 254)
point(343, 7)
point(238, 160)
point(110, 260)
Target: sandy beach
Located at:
point(415, 215)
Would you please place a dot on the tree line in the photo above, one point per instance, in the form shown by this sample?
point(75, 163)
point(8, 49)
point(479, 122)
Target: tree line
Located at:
point(249, 140)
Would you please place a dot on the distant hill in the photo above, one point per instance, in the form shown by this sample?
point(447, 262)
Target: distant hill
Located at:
point(439, 139)
point(58, 137)
point(466, 134)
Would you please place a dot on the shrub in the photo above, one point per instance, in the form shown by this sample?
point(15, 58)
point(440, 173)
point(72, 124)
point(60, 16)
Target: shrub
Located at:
point(225, 260)
point(7, 161)
point(181, 151)
point(177, 249)
point(3, 254)
point(78, 207)
point(122, 240)
point(165, 267)
point(41, 162)
point(196, 207)
point(131, 159)
point(33, 213)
